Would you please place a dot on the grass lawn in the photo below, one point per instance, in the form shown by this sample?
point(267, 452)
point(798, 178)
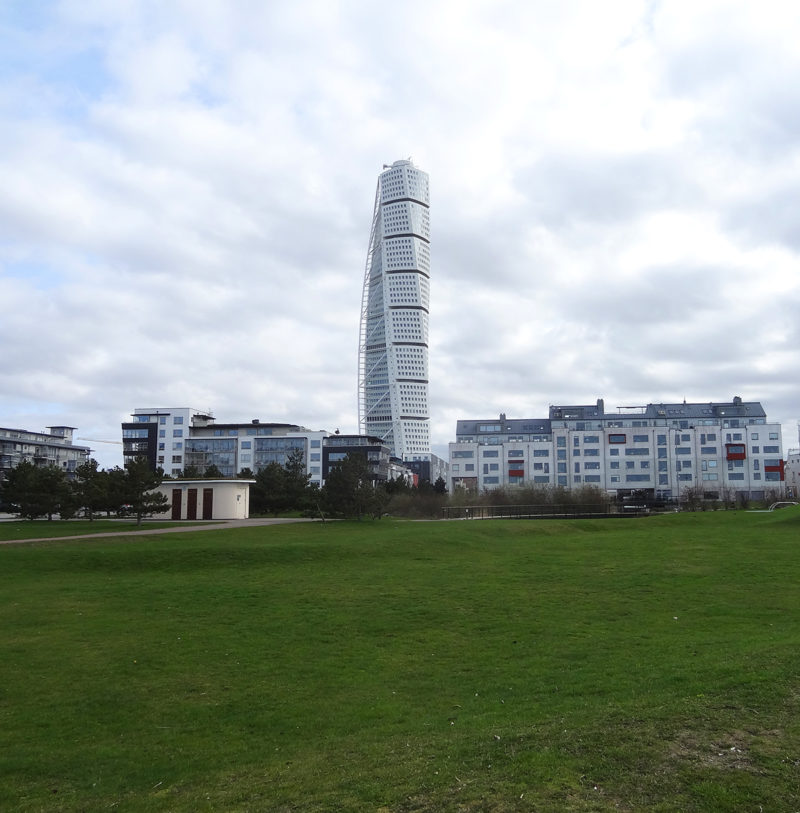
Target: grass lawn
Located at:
point(41, 528)
point(631, 664)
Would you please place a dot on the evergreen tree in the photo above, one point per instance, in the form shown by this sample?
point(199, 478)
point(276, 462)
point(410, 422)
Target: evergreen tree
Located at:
point(140, 480)
point(22, 492)
point(296, 481)
point(115, 491)
point(350, 492)
point(91, 487)
point(269, 493)
point(35, 491)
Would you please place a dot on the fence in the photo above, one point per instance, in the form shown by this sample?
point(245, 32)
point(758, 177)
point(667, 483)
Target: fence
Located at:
point(610, 509)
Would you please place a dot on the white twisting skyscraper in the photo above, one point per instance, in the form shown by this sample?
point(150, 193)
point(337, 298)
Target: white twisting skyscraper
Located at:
point(393, 340)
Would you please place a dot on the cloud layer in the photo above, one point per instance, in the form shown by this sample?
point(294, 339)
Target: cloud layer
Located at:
point(187, 193)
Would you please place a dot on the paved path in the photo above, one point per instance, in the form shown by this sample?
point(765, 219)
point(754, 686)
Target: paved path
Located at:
point(175, 529)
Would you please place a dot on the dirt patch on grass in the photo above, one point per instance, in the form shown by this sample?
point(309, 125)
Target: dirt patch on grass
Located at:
point(727, 752)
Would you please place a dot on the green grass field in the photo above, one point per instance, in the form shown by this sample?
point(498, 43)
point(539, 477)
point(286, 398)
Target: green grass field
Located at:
point(632, 664)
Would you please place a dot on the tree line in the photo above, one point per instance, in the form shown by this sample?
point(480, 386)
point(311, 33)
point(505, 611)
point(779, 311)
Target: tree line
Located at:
point(349, 491)
point(44, 491)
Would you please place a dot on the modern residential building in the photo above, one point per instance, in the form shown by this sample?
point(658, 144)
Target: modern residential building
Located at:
point(41, 448)
point(658, 450)
point(792, 471)
point(428, 468)
point(382, 464)
point(393, 337)
point(175, 439)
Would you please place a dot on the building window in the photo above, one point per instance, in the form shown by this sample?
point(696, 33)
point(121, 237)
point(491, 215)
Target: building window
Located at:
point(616, 438)
point(178, 419)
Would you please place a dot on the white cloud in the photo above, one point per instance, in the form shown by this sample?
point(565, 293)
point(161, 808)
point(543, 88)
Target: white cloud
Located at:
point(188, 190)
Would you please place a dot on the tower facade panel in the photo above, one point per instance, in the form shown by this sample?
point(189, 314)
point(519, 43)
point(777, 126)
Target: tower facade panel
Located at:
point(393, 341)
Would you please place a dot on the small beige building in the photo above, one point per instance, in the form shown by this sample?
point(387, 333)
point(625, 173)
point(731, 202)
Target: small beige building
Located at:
point(207, 499)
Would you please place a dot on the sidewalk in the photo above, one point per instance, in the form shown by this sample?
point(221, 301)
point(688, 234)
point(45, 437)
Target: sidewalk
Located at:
point(215, 526)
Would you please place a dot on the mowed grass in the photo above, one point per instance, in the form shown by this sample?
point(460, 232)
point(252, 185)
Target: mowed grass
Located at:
point(629, 664)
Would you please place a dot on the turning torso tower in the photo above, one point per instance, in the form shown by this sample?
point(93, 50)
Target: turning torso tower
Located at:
point(393, 340)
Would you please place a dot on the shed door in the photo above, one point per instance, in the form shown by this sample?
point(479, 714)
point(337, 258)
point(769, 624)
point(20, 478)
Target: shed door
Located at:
point(191, 503)
point(208, 503)
point(176, 503)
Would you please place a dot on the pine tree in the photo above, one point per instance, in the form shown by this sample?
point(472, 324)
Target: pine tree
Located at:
point(139, 484)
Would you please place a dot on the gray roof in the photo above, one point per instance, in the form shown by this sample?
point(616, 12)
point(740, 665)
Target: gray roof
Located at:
point(735, 408)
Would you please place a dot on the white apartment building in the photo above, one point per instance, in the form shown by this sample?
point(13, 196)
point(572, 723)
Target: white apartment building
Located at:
point(41, 448)
point(393, 337)
point(792, 471)
point(177, 438)
point(658, 450)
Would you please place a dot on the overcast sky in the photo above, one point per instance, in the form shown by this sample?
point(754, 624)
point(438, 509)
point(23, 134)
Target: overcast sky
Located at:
point(186, 190)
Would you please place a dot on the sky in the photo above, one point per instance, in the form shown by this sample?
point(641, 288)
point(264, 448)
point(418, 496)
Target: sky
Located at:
point(186, 194)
